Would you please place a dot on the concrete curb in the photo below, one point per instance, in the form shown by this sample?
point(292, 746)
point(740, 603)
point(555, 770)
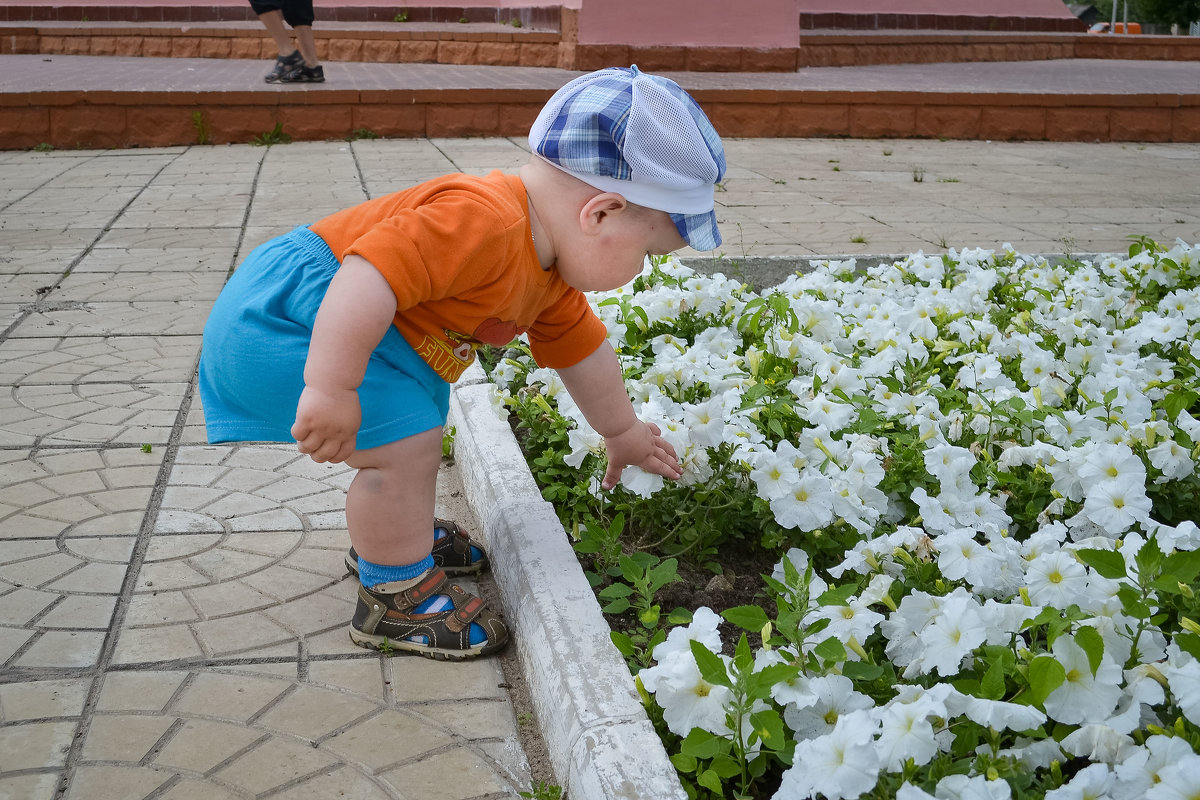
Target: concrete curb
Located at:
point(601, 743)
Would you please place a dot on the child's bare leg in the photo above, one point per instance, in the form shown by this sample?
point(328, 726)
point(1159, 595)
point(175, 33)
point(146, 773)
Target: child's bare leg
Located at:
point(307, 45)
point(273, 21)
point(390, 503)
point(404, 603)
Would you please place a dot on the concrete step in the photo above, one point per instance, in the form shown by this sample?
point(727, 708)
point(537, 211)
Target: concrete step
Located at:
point(92, 101)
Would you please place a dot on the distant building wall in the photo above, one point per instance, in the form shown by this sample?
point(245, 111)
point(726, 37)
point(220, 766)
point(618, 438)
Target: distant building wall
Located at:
point(746, 23)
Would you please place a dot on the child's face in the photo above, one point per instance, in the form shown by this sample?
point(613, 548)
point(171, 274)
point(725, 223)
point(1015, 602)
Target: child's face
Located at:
point(615, 255)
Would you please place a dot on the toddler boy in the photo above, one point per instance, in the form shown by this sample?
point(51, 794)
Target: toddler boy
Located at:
point(344, 336)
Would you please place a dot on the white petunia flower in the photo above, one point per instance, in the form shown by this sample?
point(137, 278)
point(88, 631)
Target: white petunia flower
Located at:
point(1116, 505)
point(1083, 697)
point(952, 635)
point(1093, 782)
point(809, 504)
point(1055, 579)
point(835, 697)
point(840, 764)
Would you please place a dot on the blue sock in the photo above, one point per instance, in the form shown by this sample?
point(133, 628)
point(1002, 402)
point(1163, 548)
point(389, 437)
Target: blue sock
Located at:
point(371, 575)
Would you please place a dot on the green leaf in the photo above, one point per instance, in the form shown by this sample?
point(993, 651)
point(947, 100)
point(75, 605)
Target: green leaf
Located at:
point(623, 643)
point(769, 727)
point(1109, 563)
point(751, 618)
point(683, 762)
point(1045, 675)
point(1089, 639)
point(725, 766)
point(711, 781)
point(1179, 400)
point(1149, 560)
point(991, 686)
point(1188, 643)
point(862, 671)
point(1183, 566)
point(831, 649)
point(838, 595)
point(699, 743)
point(618, 606)
point(616, 590)
point(1131, 602)
point(712, 668)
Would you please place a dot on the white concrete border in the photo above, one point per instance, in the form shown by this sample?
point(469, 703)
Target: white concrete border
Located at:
point(602, 745)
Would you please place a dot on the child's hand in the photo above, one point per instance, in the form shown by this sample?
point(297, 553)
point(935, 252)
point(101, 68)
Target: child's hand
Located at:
point(640, 446)
point(327, 421)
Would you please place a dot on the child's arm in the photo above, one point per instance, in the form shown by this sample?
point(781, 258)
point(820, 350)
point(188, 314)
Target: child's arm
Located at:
point(598, 388)
point(352, 320)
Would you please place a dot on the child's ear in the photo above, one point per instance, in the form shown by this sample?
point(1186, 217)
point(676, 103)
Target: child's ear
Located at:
point(598, 209)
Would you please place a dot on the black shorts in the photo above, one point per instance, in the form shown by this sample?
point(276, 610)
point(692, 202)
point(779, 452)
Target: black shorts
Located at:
point(295, 12)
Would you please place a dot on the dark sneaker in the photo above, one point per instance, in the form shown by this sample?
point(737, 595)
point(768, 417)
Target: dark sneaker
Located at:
point(284, 65)
point(386, 620)
point(303, 74)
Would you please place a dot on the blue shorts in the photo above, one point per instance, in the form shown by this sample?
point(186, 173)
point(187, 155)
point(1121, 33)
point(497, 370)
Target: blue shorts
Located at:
point(256, 342)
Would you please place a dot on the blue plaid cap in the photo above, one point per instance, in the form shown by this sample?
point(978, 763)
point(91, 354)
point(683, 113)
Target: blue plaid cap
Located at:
point(642, 136)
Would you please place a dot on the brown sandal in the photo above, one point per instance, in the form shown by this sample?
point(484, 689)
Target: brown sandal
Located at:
point(383, 620)
point(452, 552)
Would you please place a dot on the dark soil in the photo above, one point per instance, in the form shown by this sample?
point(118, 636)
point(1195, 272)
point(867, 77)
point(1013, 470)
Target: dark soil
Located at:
point(739, 584)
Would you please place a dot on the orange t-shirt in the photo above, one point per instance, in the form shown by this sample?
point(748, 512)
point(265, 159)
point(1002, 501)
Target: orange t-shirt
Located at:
point(459, 255)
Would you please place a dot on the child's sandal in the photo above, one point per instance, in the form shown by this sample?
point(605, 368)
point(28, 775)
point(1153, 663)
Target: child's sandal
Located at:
point(384, 621)
point(456, 552)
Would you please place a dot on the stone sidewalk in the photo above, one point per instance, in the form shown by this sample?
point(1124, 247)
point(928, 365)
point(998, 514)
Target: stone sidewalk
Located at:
point(173, 614)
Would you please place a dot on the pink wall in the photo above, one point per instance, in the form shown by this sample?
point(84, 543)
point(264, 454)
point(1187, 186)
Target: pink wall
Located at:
point(970, 8)
point(745, 23)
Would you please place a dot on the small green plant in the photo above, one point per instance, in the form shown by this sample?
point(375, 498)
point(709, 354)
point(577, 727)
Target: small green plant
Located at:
point(401, 17)
point(386, 647)
point(43, 147)
point(860, 239)
point(516, 23)
point(201, 126)
point(942, 243)
point(918, 174)
point(361, 133)
point(948, 180)
point(448, 441)
point(779, 181)
point(463, 20)
point(273, 136)
point(146, 448)
point(541, 790)
point(887, 152)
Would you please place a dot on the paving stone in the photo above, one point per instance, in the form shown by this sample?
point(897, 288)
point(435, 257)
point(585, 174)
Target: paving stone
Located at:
point(40, 786)
point(89, 413)
point(194, 261)
point(93, 359)
point(77, 492)
point(102, 782)
point(473, 774)
point(139, 691)
point(127, 285)
point(35, 745)
point(30, 700)
point(135, 318)
point(64, 649)
point(123, 737)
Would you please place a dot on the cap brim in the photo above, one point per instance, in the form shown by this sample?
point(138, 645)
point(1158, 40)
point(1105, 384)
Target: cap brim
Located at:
point(699, 230)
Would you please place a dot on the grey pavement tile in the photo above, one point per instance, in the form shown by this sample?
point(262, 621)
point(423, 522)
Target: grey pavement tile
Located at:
point(27, 286)
point(74, 493)
point(149, 286)
point(252, 488)
point(89, 413)
point(238, 732)
point(193, 260)
point(96, 359)
point(136, 318)
point(196, 236)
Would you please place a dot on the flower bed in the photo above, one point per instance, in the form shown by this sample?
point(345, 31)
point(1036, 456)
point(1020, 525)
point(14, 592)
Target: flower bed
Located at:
point(975, 477)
